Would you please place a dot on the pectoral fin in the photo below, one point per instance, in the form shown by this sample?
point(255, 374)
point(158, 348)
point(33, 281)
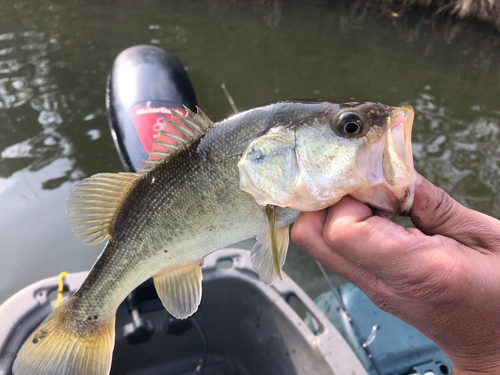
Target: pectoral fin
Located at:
point(180, 290)
point(262, 256)
point(271, 217)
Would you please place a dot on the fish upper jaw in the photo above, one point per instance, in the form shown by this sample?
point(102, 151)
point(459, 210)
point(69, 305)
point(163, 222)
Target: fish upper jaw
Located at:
point(397, 159)
point(388, 165)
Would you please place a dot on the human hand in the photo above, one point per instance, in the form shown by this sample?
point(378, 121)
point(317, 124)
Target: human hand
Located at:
point(442, 277)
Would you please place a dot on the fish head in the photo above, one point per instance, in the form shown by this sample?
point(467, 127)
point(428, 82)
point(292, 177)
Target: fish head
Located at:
point(329, 149)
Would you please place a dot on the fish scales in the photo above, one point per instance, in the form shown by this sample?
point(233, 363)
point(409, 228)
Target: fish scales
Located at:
point(227, 182)
point(179, 212)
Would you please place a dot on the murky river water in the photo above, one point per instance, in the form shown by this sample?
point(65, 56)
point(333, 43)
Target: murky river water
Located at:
point(55, 57)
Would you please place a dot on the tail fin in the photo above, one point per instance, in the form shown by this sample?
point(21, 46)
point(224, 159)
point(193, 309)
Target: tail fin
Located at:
point(62, 346)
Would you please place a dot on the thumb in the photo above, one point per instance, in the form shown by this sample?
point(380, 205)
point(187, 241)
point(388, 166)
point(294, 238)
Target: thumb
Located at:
point(435, 212)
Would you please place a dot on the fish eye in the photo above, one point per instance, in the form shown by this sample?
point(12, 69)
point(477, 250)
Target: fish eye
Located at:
point(350, 123)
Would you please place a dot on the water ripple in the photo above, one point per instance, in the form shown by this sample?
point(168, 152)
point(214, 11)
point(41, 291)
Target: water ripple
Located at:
point(461, 156)
point(36, 106)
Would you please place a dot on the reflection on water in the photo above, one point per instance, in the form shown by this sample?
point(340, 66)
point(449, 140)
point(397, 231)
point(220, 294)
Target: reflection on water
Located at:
point(459, 155)
point(55, 57)
point(37, 112)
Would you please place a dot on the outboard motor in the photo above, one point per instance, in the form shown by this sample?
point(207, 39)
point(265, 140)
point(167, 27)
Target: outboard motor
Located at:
point(146, 83)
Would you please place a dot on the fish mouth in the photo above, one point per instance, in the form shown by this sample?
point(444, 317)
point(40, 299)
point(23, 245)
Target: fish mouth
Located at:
point(397, 158)
point(391, 175)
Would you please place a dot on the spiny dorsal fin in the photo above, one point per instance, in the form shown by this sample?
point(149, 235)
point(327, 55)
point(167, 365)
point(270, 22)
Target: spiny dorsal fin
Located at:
point(262, 254)
point(92, 204)
point(180, 290)
point(178, 132)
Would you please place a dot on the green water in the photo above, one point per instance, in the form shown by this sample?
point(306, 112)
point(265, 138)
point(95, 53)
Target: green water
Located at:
point(55, 57)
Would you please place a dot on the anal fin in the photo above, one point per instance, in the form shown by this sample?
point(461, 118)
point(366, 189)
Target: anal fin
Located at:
point(180, 290)
point(262, 254)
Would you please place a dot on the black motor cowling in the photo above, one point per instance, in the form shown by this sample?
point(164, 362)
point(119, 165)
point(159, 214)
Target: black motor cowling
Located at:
point(145, 84)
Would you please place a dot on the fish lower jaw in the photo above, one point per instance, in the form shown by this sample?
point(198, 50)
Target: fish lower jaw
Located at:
point(382, 197)
point(408, 203)
point(392, 200)
point(304, 200)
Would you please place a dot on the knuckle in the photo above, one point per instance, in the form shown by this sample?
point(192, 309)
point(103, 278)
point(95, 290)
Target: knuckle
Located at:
point(343, 232)
point(444, 205)
point(415, 243)
point(333, 234)
point(297, 234)
point(480, 232)
point(300, 234)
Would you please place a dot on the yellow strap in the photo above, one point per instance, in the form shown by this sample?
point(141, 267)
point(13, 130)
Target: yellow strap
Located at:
point(60, 288)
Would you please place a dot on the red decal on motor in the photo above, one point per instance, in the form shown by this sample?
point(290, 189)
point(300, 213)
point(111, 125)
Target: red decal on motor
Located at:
point(149, 119)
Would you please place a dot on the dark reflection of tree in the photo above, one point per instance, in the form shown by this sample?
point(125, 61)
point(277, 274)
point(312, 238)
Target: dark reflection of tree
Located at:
point(487, 11)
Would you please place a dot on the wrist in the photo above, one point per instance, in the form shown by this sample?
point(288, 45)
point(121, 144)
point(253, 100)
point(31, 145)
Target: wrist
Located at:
point(474, 372)
point(487, 366)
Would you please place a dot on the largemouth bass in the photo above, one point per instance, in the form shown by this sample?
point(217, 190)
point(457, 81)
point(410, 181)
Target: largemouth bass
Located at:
point(208, 185)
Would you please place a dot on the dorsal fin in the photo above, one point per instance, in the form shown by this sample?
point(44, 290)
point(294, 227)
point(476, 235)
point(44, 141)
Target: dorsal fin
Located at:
point(178, 132)
point(92, 204)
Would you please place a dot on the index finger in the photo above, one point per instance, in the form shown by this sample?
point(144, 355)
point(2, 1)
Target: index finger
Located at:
point(369, 241)
point(307, 232)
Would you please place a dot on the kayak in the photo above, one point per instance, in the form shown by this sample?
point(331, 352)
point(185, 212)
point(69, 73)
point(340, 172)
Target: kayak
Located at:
point(242, 326)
